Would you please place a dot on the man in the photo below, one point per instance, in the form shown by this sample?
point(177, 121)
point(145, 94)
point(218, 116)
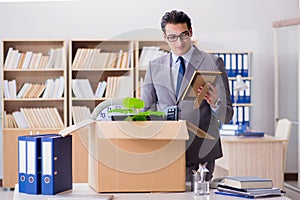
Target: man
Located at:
point(160, 90)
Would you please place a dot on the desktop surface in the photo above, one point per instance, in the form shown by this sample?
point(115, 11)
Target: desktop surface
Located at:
point(82, 191)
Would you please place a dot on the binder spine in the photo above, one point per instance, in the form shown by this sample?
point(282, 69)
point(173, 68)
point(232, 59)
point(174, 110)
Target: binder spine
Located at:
point(233, 61)
point(22, 163)
point(33, 176)
point(245, 71)
point(56, 164)
point(30, 163)
point(47, 167)
point(227, 64)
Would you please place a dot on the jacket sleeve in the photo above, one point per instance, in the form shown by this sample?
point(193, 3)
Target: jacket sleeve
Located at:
point(225, 112)
point(148, 94)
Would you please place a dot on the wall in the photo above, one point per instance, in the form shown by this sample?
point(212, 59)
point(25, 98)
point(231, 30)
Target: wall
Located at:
point(217, 24)
point(288, 101)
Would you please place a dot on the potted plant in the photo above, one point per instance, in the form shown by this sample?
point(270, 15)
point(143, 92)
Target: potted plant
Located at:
point(130, 111)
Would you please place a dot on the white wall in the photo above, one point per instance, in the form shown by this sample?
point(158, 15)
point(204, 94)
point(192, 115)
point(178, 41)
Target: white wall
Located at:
point(217, 24)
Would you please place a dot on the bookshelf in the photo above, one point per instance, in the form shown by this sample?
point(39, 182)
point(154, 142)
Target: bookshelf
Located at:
point(238, 63)
point(41, 114)
point(146, 50)
point(103, 66)
point(93, 62)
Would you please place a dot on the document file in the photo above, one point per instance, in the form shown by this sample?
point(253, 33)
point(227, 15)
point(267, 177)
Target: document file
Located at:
point(56, 164)
point(33, 164)
point(22, 163)
point(30, 163)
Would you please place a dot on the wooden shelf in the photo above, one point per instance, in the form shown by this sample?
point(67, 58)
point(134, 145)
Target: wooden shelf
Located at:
point(94, 71)
point(35, 76)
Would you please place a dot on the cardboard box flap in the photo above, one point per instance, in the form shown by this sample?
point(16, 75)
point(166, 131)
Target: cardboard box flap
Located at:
point(76, 127)
point(160, 130)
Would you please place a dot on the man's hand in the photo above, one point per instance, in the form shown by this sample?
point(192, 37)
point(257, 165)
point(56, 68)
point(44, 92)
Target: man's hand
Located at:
point(211, 95)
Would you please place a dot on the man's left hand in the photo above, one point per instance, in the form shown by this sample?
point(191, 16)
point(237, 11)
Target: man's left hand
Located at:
point(211, 95)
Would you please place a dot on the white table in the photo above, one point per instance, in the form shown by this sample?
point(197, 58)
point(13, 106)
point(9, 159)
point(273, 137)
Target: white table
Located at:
point(81, 191)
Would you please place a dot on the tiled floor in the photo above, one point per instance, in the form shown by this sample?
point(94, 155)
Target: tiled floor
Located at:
point(292, 194)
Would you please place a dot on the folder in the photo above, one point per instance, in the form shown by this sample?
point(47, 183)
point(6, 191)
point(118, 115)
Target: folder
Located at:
point(247, 115)
point(239, 64)
point(227, 64)
point(56, 164)
point(245, 72)
point(233, 64)
point(231, 88)
point(33, 164)
point(22, 163)
point(248, 92)
point(240, 113)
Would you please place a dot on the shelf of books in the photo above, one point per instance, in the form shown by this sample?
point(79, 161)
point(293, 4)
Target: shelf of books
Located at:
point(146, 50)
point(100, 70)
point(34, 94)
point(238, 67)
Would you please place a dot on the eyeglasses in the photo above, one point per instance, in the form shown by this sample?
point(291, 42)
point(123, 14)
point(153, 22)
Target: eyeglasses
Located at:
point(173, 38)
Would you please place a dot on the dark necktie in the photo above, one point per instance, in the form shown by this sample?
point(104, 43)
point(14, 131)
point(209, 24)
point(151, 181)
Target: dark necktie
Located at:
point(181, 72)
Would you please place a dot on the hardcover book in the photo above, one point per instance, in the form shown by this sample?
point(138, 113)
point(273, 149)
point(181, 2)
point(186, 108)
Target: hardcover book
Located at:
point(247, 182)
point(250, 133)
point(248, 193)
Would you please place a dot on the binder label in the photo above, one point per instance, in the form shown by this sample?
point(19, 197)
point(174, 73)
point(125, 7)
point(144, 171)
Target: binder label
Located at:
point(31, 156)
point(22, 157)
point(46, 162)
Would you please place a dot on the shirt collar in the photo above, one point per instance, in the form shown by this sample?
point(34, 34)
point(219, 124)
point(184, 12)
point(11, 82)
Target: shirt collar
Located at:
point(187, 56)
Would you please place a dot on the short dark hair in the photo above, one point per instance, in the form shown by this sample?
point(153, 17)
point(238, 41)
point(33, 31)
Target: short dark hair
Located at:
point(175, 17)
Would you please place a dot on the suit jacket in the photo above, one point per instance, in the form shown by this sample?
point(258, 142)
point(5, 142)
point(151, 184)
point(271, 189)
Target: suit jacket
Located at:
point(158, 92)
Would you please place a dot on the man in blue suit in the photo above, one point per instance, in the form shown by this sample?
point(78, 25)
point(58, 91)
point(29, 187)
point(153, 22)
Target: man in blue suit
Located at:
point(160, 86)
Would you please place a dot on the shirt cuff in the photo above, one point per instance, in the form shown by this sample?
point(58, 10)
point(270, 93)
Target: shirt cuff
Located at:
point(216, 106)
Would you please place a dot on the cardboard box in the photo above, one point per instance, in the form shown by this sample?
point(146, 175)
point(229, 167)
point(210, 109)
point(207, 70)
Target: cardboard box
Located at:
point(144, 156)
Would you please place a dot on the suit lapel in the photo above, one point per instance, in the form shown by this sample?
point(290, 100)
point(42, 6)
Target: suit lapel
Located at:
point(166, 75)
point(193, 65)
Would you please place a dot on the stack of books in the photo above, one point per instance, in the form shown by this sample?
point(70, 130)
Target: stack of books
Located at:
point(239, 130)
point(89, 58)
point(17, 59)
point(248, 187)
point(229, 129)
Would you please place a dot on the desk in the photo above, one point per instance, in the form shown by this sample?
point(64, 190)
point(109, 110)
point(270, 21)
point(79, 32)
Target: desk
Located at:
point(82, 191)
point(252, 157)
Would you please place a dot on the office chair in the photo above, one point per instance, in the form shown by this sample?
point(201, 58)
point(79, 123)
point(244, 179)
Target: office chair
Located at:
point(283, 131)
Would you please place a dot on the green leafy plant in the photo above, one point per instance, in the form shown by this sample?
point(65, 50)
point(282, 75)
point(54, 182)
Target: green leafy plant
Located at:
point(131, 110)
